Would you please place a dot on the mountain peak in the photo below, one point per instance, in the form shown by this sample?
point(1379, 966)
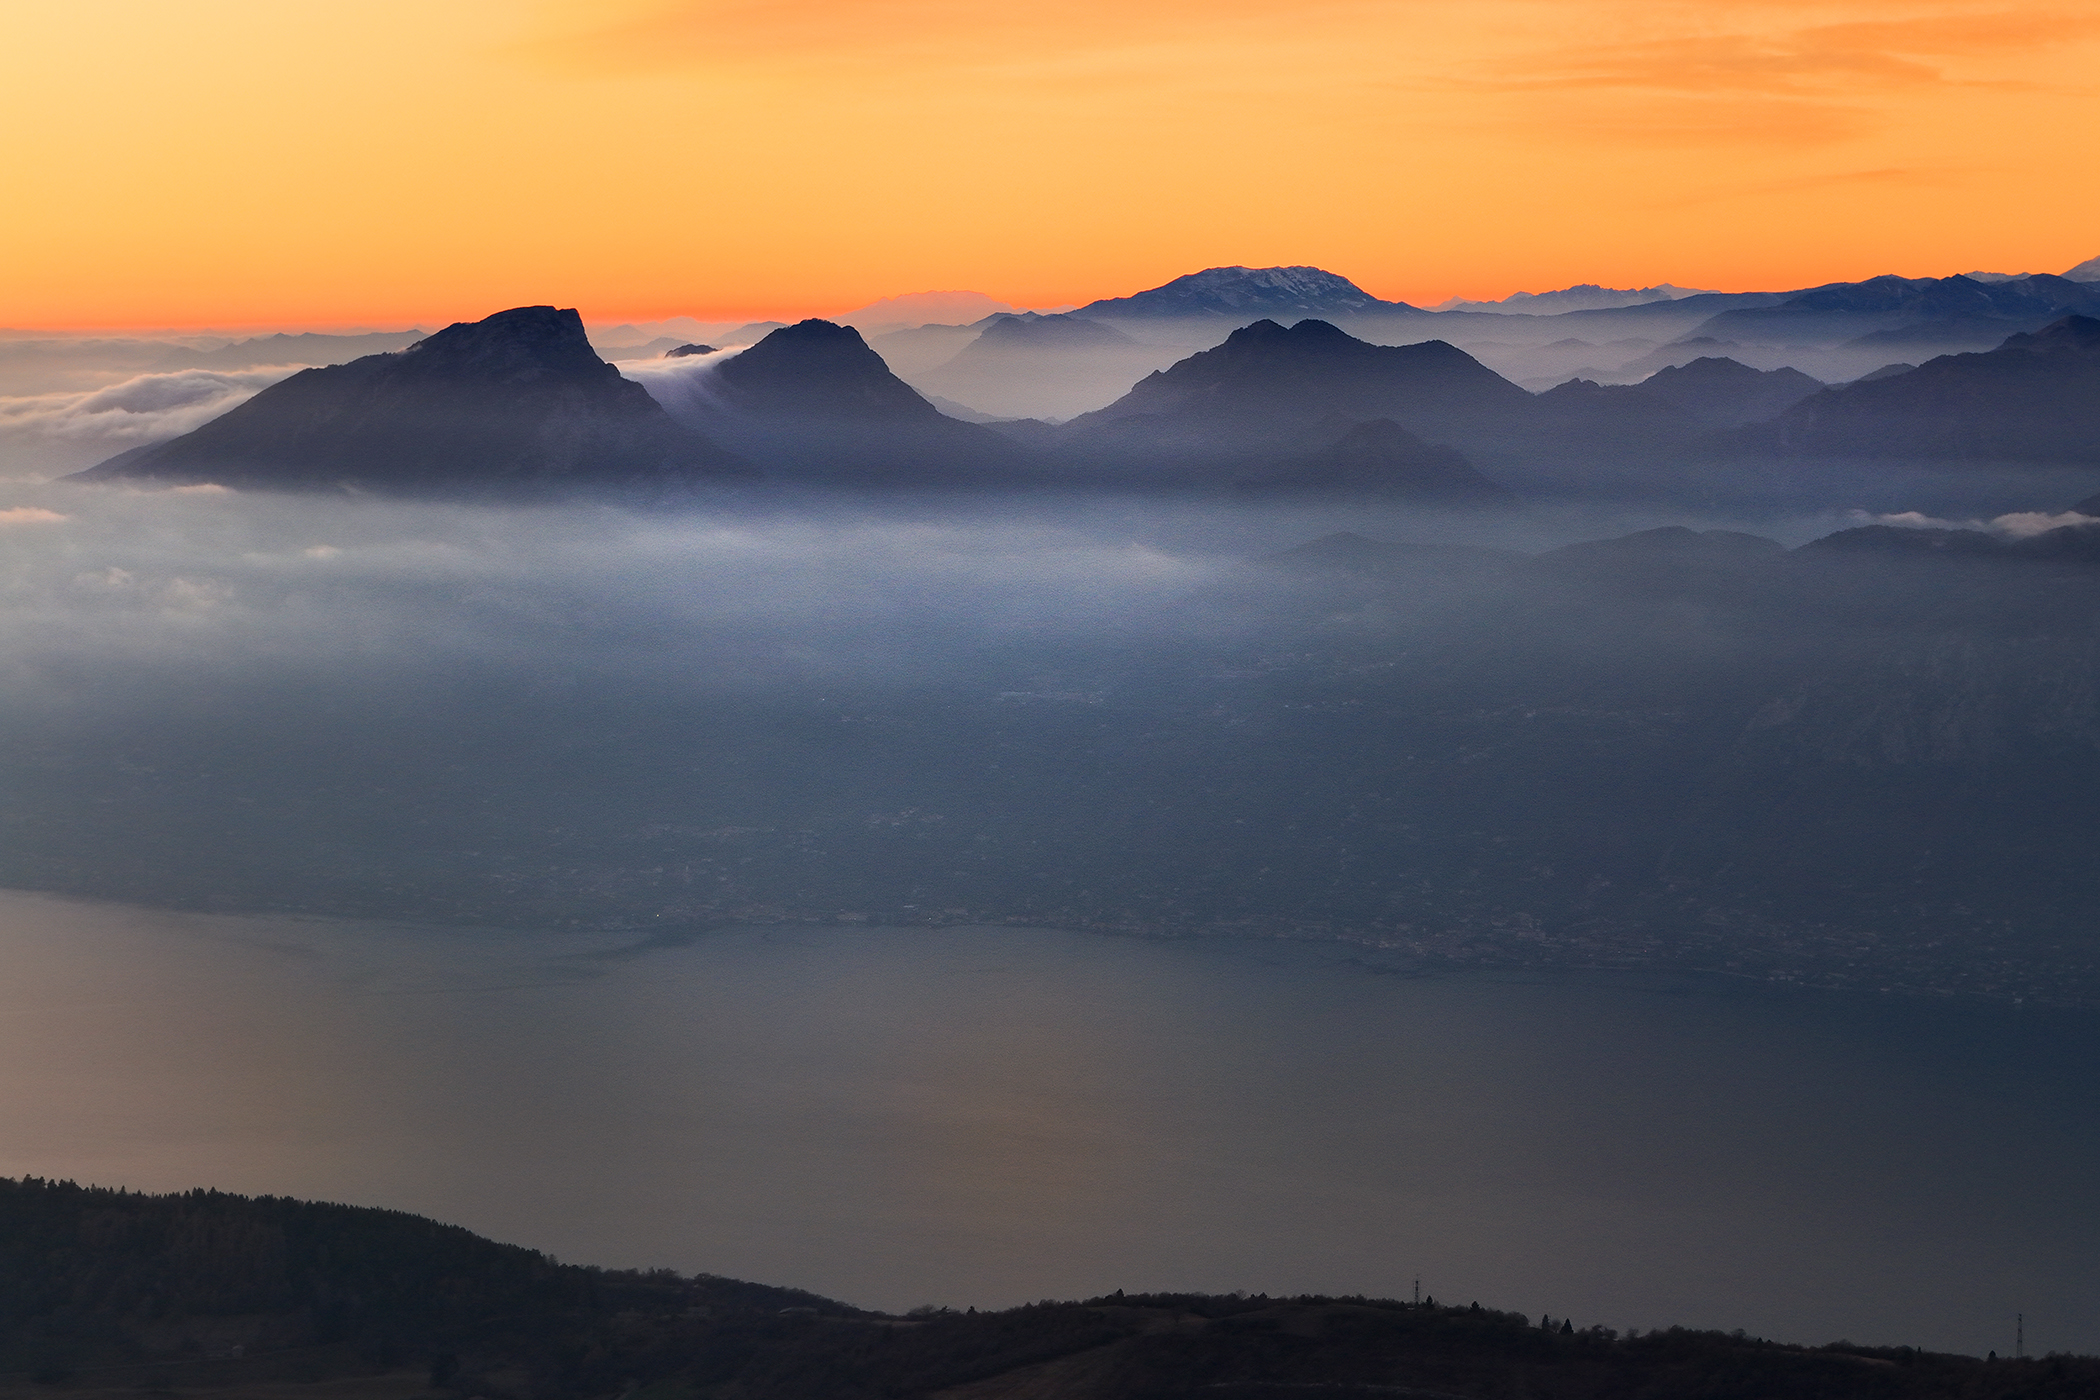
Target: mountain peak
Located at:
point(814, 401)
point(517, 401)
point(522, 340)
point(1269, 393)
point(818, 369)
point(1246, 293)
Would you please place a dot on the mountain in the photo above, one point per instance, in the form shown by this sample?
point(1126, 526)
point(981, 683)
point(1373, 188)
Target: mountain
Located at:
point(1678, 352)
point(2076, 544)
point(2035, 398)
point(1666, 410)
point(1247, 294)
point(2087, 271)
point(1032, 331)
point(1586, 296)
point(922, 309)
point(812, 401)
point(915, 351)
point(1926, 309)
point(1269, 394)
point(1652, 319)
point(1032, 366)
point(1381, 458)
point(1718, 392)
point(516, 402)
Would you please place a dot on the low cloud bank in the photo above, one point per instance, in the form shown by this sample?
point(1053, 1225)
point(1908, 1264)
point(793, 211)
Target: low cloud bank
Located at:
point(43, 435)
point(2016, 525)
point(679, 384)
point(205, 580)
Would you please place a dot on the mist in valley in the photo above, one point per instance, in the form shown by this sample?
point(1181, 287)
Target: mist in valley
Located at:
point(1036, 815)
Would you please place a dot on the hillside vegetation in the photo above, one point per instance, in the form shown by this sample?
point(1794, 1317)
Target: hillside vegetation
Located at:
point(107, 1292)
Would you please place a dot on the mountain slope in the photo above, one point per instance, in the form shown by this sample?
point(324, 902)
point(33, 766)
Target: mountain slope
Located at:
point(1382, 458)
point(1664, 412)
point(2034, 398)
point(516, 402)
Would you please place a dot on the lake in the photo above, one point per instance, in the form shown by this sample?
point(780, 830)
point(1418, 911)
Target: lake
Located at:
point(984, 1116)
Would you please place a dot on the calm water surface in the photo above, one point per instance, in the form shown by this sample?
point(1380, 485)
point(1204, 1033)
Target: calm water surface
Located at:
point(987, 1116)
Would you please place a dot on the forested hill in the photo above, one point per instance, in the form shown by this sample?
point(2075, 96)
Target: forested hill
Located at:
point(93, 1278)
point(108, 1293)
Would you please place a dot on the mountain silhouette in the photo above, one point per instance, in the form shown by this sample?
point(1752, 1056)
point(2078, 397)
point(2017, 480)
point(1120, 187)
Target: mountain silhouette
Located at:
point(1912, 310)
point(1246, 294)
point(1268, 394)
point(1585, 296)
point(2034, 398)
point(516, 402)
point(814, 402)
point(1065, 331)
point(1382, 458)
point(1032, 365)
point(1664, 411)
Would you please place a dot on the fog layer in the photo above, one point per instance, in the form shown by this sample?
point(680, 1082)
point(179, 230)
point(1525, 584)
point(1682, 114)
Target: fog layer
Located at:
point(1843, 766)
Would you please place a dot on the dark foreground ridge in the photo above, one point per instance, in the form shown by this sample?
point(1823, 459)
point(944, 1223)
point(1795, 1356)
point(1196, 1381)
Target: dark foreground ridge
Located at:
point(267, 1298)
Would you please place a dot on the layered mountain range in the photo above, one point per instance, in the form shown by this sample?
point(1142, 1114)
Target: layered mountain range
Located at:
point(2034, 398)
point(521, 402)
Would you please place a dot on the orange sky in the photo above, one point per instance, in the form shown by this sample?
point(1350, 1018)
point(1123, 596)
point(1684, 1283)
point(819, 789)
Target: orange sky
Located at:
point(248, 162)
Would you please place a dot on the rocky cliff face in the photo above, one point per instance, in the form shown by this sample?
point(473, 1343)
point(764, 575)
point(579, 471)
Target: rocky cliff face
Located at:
point(518, 402)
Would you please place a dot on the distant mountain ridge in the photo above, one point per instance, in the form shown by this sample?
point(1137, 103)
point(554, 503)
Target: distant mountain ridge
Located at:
point(1267, 292)
point(2034, 398)
point(1924, 307)
point(1586, 296)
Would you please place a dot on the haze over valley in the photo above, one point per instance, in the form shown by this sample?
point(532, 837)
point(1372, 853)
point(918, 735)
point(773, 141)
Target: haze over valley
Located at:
point(1027, 779)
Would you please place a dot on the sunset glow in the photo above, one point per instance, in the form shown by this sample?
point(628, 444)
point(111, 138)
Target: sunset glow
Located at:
point(232, 162)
